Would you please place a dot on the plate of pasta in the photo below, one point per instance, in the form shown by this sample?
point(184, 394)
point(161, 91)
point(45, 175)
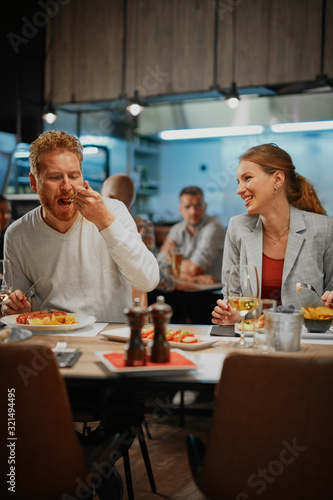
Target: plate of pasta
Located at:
point(49, 320)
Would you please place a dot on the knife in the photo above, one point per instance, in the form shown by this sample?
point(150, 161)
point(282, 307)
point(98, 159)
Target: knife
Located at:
point(67, 360)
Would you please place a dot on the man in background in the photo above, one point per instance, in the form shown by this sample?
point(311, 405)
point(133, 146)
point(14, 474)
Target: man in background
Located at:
point(199, 237)
point(121, 187)
point(5, 218)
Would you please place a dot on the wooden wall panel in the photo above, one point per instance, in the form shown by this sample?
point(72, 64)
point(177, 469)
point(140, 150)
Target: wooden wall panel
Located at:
point(328, 55)
point(87, 51)
point(253, 42)
point(59, 59)
point(170, 46)
point(224, 44)
point(295, 40)
point(175, 45)
point(276, 41)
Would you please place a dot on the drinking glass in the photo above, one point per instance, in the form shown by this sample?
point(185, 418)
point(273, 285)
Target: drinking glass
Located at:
point(243, 294)
point(262, 340)
point(6, 280)
point(176, 260)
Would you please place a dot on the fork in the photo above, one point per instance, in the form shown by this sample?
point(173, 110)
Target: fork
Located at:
point(72, 197)
point(299, 286)
point(29, 290)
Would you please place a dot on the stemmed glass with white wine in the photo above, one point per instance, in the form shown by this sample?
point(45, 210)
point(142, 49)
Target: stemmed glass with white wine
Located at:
point(6, 281)
point(243, 294)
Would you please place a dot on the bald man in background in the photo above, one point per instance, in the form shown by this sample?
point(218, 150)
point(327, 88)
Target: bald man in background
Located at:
point(121, 187)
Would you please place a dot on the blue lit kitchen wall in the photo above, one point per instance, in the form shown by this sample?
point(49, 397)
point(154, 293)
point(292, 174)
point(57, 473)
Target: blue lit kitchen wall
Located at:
point(211, 164)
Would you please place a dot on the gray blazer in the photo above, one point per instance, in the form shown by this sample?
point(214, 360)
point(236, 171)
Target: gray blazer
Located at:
point(308, 259)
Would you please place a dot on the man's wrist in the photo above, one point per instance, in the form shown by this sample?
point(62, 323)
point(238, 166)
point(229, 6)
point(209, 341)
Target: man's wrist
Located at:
point(105, 223)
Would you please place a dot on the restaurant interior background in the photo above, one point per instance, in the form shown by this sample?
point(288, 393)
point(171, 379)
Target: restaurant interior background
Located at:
point(179, 59)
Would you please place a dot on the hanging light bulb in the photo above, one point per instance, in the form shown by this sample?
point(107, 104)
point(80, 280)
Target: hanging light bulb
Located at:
point(135, 105)
point(49, 113)
point(134, 109)
point(232, 97)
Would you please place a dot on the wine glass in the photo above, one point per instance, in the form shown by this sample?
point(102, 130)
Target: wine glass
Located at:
point(6, 280)
point(243, 294)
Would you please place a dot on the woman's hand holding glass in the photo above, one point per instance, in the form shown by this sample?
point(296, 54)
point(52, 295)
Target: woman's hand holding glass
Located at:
point(6, 280)
point(243, 294)
point(223, 314)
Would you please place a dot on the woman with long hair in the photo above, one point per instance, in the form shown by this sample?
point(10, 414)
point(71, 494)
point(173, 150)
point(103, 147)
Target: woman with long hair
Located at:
point(285, 233)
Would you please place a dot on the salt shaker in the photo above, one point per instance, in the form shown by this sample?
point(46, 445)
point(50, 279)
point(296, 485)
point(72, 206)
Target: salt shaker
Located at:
point(134, 350)
point(159, 347)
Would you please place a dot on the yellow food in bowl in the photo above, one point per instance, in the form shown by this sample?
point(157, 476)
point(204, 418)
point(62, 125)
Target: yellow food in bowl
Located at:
point(317, 312)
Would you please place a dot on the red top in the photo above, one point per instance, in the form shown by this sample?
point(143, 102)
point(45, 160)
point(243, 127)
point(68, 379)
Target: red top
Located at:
point(271, 278)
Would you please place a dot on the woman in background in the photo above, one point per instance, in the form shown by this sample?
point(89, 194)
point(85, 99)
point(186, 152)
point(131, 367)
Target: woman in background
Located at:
point(285, 233)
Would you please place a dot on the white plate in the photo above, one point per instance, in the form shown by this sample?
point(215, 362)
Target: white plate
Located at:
point(83, 320)
point(123, 334)
point(317, 336)
point(147, 370)
point(306, 335)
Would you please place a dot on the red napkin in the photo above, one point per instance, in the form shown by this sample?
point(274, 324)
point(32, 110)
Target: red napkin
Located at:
point(176, 359)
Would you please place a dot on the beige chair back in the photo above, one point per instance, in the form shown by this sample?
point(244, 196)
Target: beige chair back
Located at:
point(49, 460)
point(271, 436)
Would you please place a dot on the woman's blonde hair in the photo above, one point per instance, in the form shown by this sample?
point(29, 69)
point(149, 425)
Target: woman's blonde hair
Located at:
point(299, 190)
point(53, 140)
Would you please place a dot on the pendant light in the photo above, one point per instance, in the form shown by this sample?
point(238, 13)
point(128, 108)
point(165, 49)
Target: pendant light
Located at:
point(49, 112)
point(135, 105)
point(232, 96)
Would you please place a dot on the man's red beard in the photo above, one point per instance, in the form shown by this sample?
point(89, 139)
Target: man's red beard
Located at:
point(49, 209)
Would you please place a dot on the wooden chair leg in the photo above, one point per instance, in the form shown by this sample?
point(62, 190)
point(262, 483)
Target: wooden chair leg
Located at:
point(127, 466)
point(144, 451)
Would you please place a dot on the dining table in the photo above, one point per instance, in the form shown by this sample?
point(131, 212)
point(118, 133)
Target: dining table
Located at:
point(89, 374)
point(207, 357)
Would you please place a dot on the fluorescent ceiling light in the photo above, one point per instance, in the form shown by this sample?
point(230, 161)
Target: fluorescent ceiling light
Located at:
point(206, 133)
point(87, 150)
point(96, 140)
point(302, 126)
point(21, 154)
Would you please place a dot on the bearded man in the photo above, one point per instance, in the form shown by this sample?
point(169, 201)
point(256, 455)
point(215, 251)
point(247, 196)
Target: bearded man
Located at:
point(85, 248)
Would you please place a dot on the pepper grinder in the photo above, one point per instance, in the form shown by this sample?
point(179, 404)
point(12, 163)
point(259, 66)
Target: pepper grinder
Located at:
point(159, 347)
point(134, 350)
